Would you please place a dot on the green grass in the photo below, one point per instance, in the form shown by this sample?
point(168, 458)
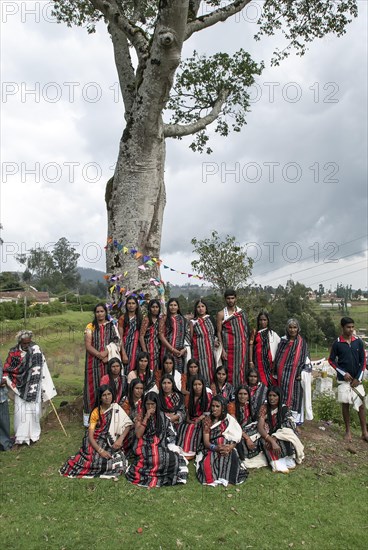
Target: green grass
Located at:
point(313, 507)
point(40, 509)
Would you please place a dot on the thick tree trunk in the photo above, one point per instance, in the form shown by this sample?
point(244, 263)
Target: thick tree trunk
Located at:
point(135, 199)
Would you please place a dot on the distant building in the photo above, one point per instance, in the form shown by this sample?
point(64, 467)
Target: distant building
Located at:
point(32, 296)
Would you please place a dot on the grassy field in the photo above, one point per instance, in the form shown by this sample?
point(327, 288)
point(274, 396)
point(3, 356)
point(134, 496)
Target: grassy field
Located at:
point(316, 506)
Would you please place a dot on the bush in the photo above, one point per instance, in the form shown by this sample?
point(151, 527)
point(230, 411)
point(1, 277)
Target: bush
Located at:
point(326, 408)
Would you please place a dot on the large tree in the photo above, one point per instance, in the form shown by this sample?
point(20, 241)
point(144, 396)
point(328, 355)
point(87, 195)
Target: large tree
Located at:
point(147, 38)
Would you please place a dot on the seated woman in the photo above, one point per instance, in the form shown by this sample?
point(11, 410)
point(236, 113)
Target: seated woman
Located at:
point(219, 462)
point(257, 390)
point(192, 370)
point(115, 379)
point(221, 386)
point(168, 367)
point(142, 371)
point(171, 400)
point(132, 405)
point(249, 447)
point(157, 461)
point(101, 453)
point(198, 406)
point(280, 442)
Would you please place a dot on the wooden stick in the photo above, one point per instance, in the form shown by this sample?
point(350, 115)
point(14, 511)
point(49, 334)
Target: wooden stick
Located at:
point(58, 417)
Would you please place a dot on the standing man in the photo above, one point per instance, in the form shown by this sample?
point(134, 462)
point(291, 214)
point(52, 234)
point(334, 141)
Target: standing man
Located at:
point(233, 334)
point(347, 357)
point(27, 375)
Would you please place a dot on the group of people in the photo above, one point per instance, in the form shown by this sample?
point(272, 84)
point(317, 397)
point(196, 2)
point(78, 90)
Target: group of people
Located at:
point(190, 389)
point(161, 390)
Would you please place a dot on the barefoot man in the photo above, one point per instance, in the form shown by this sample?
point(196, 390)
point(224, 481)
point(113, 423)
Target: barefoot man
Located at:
point(347, 357)
point(233, 335)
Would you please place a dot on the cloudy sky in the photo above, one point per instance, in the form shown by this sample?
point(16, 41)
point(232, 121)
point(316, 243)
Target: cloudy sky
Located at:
point(292, 186)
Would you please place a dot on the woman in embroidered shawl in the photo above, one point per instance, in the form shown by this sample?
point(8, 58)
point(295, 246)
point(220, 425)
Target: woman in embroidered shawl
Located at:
point(142, 371)
point(171, 400)
point(290, 361)
point(249, 446)
point(100, 336)
point(221, 386)
point(168, 367)
point(262, 349)
point(129, 328)
point(115, 379)
point(257, 391)
point(157, 460)
point(203, 340)
point(172, 333)
point(148, 337)
point(197, 408)
point(133, 407)
point(219, 462)
point(280, 442)
point(101, 454)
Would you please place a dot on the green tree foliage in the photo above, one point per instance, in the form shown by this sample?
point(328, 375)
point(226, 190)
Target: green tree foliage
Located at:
point(55, 270)
point(10, 281)
point(222, 262)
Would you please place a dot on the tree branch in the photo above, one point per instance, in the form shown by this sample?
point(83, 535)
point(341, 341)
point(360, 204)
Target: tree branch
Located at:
point(221, 14)
point(114, 14)
point(180, 130)
point(124, 66)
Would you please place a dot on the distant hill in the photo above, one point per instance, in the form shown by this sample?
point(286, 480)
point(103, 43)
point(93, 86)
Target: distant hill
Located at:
point(88, 274)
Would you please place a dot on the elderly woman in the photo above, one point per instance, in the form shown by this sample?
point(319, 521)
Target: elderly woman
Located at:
point(294, 368)
point(27, 375)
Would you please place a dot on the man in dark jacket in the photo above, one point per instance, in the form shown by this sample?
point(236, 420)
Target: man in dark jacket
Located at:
point(347, 357)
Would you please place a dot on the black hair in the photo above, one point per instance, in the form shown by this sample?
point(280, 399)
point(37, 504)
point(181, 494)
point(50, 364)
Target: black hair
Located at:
point(132, 385)
point(161, 395)
point(168, 314)
point(229, 292)
point(147, 382)
point(264, 313)
point(277, 390)
point(346, 321)
point(200, 301)
point(223, 404)
point(253, 371)
point(237, 404)
point(100, 392)
point(164, 359)
point(138, 314)
point(110, 363)
point(149, 314)
point(153, 396)
point(100, 304)
point(221, 367)
point(203, 399)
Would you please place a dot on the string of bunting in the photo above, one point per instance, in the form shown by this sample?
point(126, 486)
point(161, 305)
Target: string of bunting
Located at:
point(147, 262)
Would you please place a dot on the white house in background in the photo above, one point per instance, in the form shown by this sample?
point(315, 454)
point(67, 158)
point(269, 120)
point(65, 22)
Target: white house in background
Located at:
point(32, 295)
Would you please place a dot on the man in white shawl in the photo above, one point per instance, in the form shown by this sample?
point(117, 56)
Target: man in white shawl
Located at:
point(28, 377)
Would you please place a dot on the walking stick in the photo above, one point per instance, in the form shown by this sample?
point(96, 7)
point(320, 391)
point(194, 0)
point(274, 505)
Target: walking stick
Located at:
point(58, 417)
point(362, 397)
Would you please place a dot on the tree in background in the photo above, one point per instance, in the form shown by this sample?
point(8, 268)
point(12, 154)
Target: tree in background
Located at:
point(65, 260)
point(222, 262)
point(54, 270)
point(147, 38)
point(10, 281)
